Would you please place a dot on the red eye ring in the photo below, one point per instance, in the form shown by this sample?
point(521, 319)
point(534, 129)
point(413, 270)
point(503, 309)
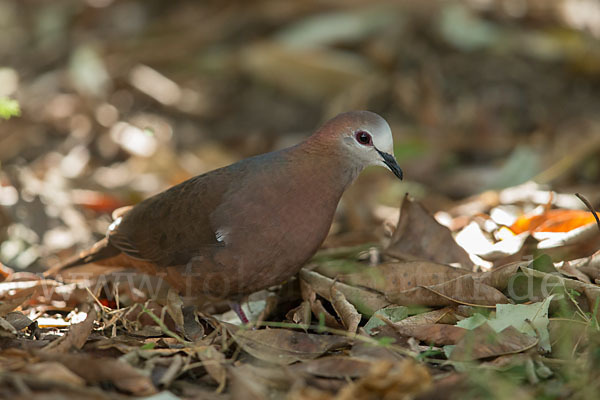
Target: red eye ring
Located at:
point(363, 138)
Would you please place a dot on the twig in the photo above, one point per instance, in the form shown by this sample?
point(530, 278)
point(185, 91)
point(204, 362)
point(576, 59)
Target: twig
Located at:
point(589, 206)
point(163, 327)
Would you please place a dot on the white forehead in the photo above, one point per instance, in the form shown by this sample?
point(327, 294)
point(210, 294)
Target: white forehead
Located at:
point(378, 128)
point(382, 135)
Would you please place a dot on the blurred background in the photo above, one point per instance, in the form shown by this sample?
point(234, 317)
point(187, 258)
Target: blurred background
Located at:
point(122, 98)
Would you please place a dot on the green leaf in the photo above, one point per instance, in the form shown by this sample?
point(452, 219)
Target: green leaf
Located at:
point(431, 353)
point(526, 318)
point(394, 314)
point(531, 319)
point(448, 350)
point(472, 322)
point(385, 341)
point(544, 263)
point(9, 108)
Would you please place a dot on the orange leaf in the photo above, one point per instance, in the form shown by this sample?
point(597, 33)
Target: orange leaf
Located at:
point(552, 221)
point(96, 201)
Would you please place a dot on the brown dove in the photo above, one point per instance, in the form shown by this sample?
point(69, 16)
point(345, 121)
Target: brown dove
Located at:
point(252, 224)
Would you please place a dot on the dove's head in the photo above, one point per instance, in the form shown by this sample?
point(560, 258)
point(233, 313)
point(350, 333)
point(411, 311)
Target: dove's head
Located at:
point(363, 137)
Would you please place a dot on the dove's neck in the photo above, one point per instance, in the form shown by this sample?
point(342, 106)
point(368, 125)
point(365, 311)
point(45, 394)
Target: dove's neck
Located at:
point(328, 164)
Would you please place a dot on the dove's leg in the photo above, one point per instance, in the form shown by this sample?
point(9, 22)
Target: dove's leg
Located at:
point(237, 308)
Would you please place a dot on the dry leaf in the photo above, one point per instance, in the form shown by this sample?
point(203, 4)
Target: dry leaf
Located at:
point(444, 315)
point(431, 334)
point(570, 271)
point(282, 346)
point(346, 311)
point(5, 272)
point(6, 329)
point(96, 370)
point(483, 342)
point(500, 277)
point(339, 367)
point(192, 328)
point(317, 308)
point(213, 361)
point(259, 383)
point(174, 307)
point(301, 314)
point(55, 372)
point(365, 301)
point(553, 221)
point(9, 305)
point(388, 380)
point(462, 290)
point(77, 334)
point(419, 236)
point(172, 371)
point(18, 320)
point(394, 277)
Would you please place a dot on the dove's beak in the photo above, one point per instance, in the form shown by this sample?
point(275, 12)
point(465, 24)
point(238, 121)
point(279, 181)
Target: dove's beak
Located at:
point(391, 163)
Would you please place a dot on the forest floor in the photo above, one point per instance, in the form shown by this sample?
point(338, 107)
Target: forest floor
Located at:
point(476, 277)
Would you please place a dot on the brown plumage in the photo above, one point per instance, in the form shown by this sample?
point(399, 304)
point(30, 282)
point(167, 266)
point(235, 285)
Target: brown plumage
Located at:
point(250, 225)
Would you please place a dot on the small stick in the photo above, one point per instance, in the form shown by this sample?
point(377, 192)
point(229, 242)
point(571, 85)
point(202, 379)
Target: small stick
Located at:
point(589, 206)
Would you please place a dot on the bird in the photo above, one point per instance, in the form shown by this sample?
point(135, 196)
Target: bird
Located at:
point(250, 225)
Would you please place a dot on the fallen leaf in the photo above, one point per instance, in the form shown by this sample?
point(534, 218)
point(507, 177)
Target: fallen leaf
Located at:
point(419, 236)
point(570, 271)
point(317, 308)
point(365, 301)
point(55, 372)
point(462, 290)
point(472, 239)
point(301, 314)
point(432, 334)
point(339, 367)
point(213, 361)
point(484, 342)
point(77, 335)
point(389, 380)
point(530, 319)
point(173, 370)
point(499, 277)
point(393, 314)
point(174, 306)
point(96, 370)
point(96, 201)
point(6, 329)
point(443, 316)
point(260, 382)
point(392, 277)
point(346, 311)
point(551, 281)
point(553, 221)
point(18, 320)
point(9, 305)
point(192, 328)
point(580, 235)
point(282, 346)
point(5, 272)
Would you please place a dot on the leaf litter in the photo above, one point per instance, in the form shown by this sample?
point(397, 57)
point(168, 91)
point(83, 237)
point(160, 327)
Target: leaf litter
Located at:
point(493, 293)
point(347, 329)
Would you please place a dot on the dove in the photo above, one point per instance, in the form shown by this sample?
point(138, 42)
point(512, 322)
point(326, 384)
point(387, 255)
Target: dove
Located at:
point(250, 225)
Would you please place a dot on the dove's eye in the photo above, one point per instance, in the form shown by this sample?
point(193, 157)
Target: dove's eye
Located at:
point(363, 138)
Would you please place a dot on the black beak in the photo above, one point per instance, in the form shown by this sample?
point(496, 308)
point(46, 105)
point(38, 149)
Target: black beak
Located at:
point(390, 161)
